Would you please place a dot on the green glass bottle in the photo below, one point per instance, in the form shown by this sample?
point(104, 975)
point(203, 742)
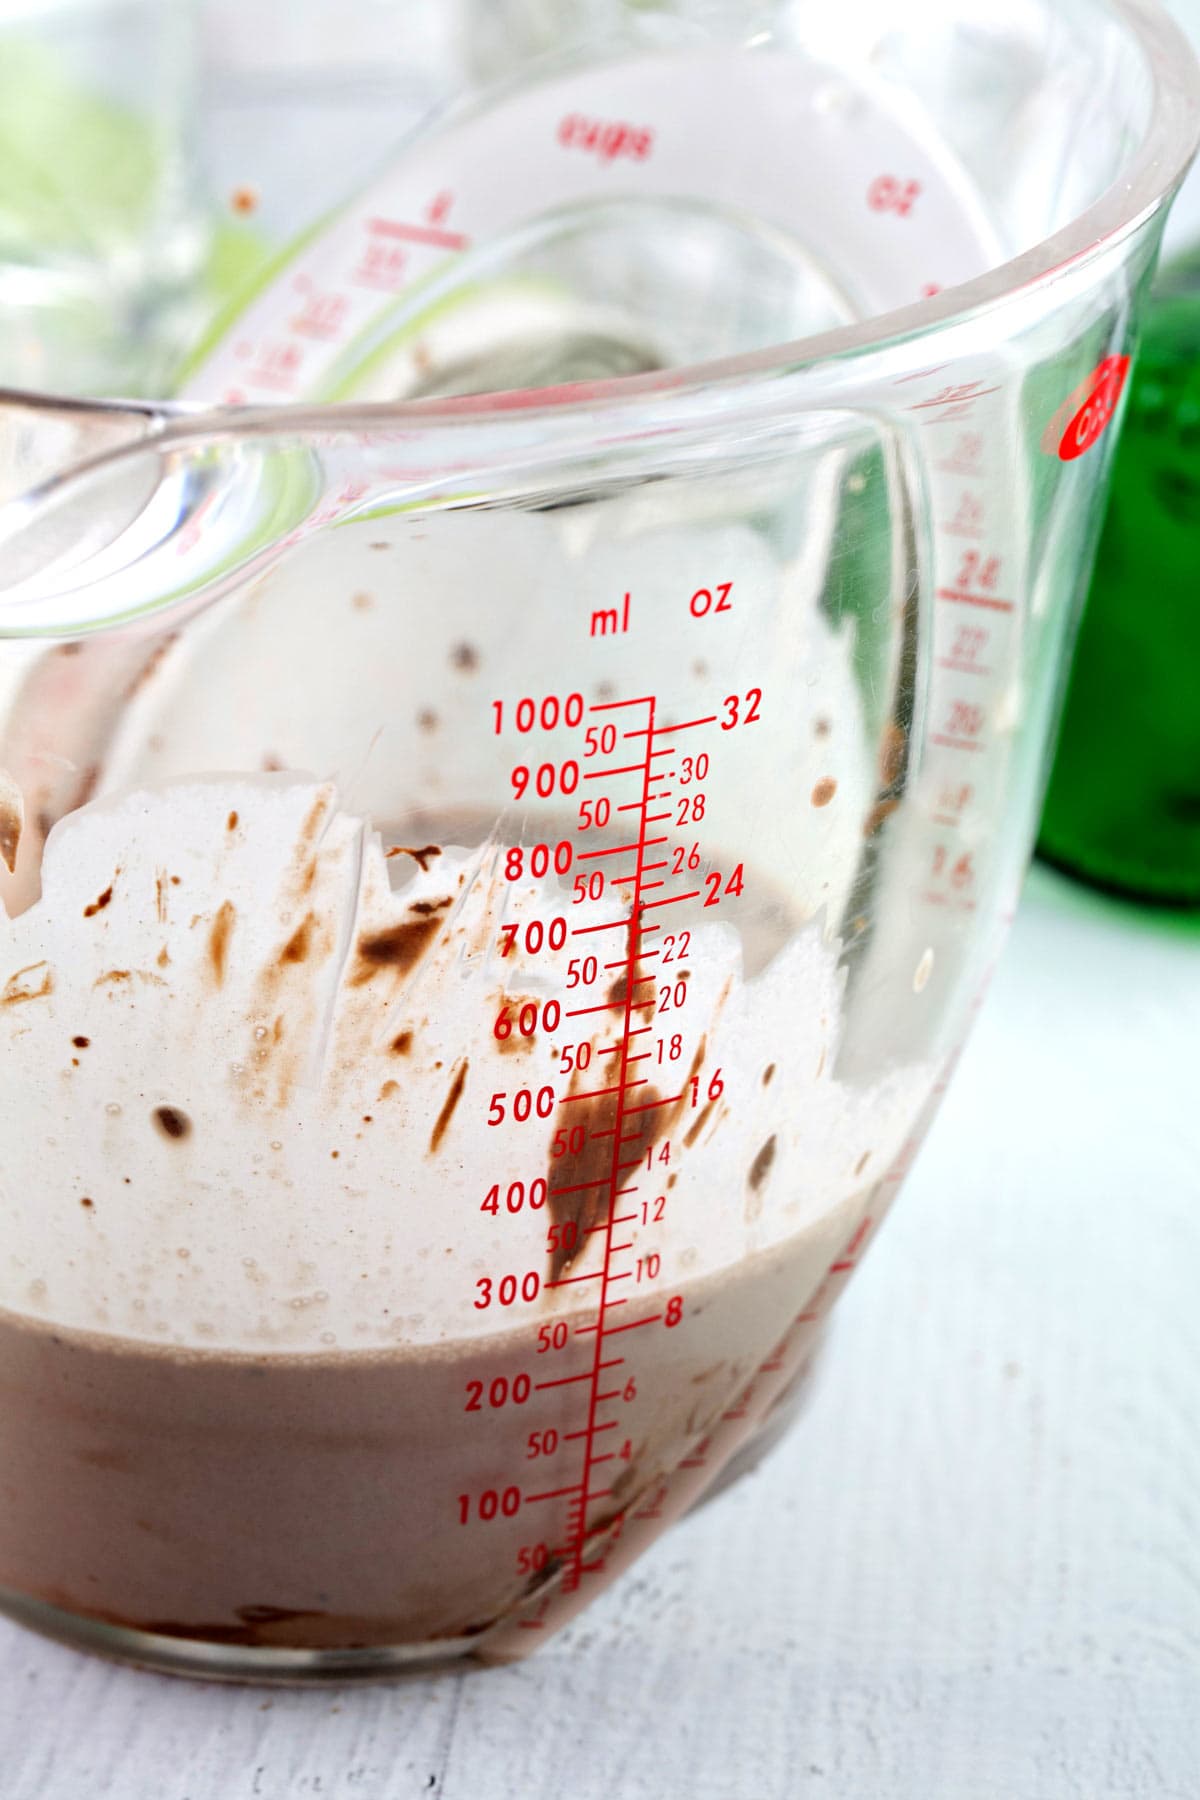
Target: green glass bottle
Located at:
point(1123, 806)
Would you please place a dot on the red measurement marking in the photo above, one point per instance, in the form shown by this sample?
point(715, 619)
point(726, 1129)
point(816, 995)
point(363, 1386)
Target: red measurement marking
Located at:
point(595, 1093)
point(652, 1105)
point(856, 1242)
point(892, 193)
point(281, 379)
point(941, 819)
point(322, 316)
point(952, 743)
point(435, 235)
point(568, 1436)
point(663, 730)
point(963, 668)
point(618, 850)
point(957, 394)
point(383, 269)
point(961, 598)
point(624, 1083)
point(921, 374)
point(605, 138)
point(633, 1325)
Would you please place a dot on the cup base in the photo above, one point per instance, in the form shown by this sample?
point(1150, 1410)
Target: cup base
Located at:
point(273, 1666)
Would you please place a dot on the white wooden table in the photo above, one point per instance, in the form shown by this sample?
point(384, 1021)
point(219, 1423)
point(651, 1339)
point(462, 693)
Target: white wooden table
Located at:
point(973, 1573)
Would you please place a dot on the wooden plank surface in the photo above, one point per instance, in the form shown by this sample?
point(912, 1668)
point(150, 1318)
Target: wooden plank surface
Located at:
point(972, 1573)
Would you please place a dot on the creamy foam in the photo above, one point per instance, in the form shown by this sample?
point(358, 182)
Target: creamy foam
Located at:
point(253, 1056)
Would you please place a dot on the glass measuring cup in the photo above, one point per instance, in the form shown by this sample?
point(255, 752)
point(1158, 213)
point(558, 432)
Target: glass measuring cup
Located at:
point(496, 883)
point(101, 239)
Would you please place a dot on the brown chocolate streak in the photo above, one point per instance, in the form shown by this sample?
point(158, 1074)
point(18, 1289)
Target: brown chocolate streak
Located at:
point(645, 1120)
point(13, 994)
point(298, 945)
point(399, 947)
point(421, 856)
point(171, 1122)
point(760, 1168)
point(12, 820)
point(218, 939)
point(589, 1172)
point(451, 1101)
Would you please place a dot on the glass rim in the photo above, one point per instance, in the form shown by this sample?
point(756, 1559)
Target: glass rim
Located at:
point(1141, 190)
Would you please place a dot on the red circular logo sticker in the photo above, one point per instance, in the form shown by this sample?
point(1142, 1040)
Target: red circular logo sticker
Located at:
point(1088, 411)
